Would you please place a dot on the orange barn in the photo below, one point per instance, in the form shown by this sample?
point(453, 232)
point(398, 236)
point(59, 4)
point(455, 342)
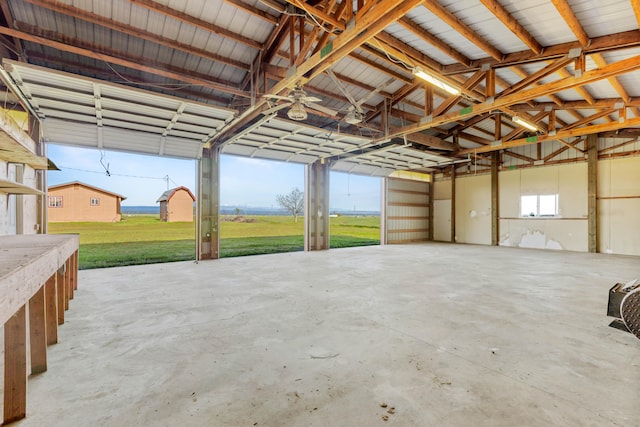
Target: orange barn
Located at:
point(80, 202)
point(176, 205)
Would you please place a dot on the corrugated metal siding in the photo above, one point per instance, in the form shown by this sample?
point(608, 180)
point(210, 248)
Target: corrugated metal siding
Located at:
point(444, 32)
point(407, 210)
point(541, 19)
point(485, 23)
point(618, 146)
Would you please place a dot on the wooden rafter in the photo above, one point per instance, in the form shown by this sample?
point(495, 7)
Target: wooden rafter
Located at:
point(470, 84)
point(434, 41)
point(636, 9)
point(546, 89)
point(571, 20)
point(136, 32)
point(512, 24)
point(537, 76)
point(122, 59)
point(561, 134)
point(566, 146)
point(576, 105)
point(6, 11)
point(364, 29)
point(107, 74)
point(592, 118)
point(458, 25)
point(253, 11)
point(196, 22)
point(583, 92)
point(611, 42)
point(601, 62)
point(519, 156)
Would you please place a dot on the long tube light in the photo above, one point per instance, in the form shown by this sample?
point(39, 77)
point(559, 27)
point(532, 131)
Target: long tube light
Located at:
point(525, 124)
point(424, 75)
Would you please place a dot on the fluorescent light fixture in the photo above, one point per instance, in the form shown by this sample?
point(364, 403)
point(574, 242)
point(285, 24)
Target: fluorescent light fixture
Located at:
point(424, 75)
point(525, 124)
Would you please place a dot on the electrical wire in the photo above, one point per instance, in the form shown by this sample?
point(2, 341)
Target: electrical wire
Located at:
point(156, 85)
point(106, 168)
point(113, 174)
point(397, 61)
point(313, 18)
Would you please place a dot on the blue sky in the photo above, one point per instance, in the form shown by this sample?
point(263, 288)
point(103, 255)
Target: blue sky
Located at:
point(244, 181)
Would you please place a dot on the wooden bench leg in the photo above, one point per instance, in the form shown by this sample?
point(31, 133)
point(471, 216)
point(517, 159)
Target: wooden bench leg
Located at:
point(75, 269)
point(67, 283)
point(61, 292)
point(37, 333)
point(51, 312)
point(15, 367)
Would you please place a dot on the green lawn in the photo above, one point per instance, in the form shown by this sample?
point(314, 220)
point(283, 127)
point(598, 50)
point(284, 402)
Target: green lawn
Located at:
point(144, 239)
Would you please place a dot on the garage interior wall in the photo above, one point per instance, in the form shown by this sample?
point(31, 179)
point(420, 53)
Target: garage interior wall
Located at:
point(568, 231)
point(473, 209)
point(407, 208)
point(618, 205)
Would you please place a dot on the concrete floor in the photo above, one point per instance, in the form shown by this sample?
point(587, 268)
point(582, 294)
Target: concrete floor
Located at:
point(447, 335)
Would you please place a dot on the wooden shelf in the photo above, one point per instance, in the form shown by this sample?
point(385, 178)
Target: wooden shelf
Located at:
point(10, 187)
point(15, 144)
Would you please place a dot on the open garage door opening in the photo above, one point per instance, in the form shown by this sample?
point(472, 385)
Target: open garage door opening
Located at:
point(355, 210)
point(261, 206)
point(127, 208)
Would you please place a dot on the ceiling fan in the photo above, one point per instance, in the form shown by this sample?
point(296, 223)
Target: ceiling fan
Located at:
point(298, 100)
point(355, 114)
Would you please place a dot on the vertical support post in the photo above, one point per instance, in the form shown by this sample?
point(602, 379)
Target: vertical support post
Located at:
point(592, 172)
point(208, 205)
point(384, 199)
point(41, 176)
point(51, 312)
point(431, 219)
point(15, 367)
point(428, 100)
point(37, 332)
point(552, 123)
point(495, 199)
point(316, 209)
point(60, 285)
point(453, 203)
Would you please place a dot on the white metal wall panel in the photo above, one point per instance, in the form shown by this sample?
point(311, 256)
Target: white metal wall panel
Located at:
point(473, 209)
point(618, 206)
point(442, 191)
point(407, 210)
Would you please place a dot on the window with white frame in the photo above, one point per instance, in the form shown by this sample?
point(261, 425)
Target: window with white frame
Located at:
point(95, 201)
point(539, 205)
point(55, 201)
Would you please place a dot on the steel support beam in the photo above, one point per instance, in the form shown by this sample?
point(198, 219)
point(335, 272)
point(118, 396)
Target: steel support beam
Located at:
point(208, 206)
point(495, 199)
point(316, 206)
point(592, 203)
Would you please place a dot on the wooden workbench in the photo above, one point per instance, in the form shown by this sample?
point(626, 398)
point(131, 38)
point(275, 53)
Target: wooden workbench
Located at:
point(38, 276)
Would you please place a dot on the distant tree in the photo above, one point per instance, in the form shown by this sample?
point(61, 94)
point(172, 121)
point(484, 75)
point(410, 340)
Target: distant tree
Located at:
point(292, 202)
point(238, 211)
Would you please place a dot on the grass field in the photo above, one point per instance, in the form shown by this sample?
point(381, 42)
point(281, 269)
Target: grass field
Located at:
point(144, 239)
